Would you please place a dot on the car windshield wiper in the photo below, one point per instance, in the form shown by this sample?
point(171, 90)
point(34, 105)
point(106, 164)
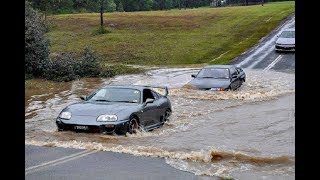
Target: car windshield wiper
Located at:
point(103, 100)
point(207, 77)
point(126, 101)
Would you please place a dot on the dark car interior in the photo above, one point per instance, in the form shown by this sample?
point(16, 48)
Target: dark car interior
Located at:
point(147, 94)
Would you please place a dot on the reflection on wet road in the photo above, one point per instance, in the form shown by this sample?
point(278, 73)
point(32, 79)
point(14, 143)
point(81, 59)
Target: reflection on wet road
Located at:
point(209, 133)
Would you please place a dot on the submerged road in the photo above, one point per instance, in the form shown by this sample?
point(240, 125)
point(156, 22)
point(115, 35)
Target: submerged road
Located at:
point(68, 163)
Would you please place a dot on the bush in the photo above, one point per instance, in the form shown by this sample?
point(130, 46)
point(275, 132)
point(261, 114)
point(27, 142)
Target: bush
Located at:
point(70, 66)
point(36, 43)
point(100, 30)
point(61, 68)
point(87, 65)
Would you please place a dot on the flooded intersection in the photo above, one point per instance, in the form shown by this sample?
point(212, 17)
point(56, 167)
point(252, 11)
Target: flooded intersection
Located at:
point(226, 134)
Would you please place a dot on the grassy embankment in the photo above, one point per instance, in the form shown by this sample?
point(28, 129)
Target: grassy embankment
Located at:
point(175, 37)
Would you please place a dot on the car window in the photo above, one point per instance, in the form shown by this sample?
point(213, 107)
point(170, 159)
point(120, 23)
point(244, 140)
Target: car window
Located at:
point(287, 34)
point(233, 71)
point(147, 94)
point(239, 70)
point(155, 95)
point(218, 73)
point(116, 95)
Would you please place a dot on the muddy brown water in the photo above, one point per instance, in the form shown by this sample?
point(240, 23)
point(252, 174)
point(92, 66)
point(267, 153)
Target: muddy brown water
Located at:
point(243, 134)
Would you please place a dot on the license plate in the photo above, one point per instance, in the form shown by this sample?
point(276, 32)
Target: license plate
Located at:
point(214, 89)
point(81, 127)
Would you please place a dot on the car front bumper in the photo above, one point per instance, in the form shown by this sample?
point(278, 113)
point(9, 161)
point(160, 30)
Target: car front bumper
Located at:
point(103, 127)
point(284, 47)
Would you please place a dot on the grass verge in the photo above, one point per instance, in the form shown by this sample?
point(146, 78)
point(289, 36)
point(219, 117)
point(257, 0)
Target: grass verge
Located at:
point(173, 37)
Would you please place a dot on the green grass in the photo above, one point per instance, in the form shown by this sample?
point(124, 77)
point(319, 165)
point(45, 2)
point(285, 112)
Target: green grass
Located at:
point(174, 37)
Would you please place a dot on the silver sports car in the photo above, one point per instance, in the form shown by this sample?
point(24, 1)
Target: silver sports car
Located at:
point(286, 40)
point(118, 109)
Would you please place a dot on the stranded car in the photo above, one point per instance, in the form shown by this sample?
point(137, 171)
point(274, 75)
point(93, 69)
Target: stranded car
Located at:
point(219, 78)
point(118, 109)
point(286, 40)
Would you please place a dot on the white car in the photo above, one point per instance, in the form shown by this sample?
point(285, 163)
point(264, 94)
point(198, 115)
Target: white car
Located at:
point(286, 40)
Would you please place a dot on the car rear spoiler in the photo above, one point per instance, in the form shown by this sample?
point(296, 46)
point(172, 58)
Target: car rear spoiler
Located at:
point(161, 87)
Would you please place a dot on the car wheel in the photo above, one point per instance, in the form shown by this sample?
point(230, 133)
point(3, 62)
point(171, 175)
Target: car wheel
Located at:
point(167, 114)
point(60, 127)
point(133, 125)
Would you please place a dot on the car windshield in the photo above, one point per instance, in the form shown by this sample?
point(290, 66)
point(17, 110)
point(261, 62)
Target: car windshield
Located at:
point(287, 34)
point(218, 73)
point(116, 95)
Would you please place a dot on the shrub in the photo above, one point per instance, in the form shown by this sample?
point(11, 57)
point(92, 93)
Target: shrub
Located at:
point(61, 68)
point(70, 66)
point(87, 65)
point(36, 43)
point(100, 30)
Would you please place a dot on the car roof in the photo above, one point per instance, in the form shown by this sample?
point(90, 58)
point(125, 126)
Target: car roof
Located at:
point(138, 87)
point(220, 66)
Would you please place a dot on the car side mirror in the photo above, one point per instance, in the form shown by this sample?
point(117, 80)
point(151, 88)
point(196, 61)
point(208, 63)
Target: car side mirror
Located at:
point(149, 101)
point(193, 75)
point(83, 98)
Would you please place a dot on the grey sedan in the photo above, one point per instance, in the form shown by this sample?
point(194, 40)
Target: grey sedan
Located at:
point(219, 78)
point(286, 40)
point(117, 109)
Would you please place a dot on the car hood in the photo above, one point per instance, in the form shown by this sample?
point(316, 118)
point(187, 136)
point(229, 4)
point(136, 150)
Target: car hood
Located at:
point(286, 41)
point(205, 83)
point(99, 108)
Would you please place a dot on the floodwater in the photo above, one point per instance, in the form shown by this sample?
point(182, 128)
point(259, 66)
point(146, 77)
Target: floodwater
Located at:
point(243, 134)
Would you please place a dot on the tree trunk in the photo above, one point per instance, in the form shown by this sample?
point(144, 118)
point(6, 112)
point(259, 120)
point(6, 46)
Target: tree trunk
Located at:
point(45, 11)
point(101, 14)
point(247, 2)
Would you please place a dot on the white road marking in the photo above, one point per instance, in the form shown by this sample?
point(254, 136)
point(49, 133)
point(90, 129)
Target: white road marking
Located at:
point(273, 63)
point(33, 169)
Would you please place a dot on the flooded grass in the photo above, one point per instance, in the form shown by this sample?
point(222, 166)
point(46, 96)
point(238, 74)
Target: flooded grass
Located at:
point(43, 89)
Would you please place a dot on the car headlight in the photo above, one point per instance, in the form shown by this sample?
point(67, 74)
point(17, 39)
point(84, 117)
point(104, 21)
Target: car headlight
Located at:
point(65, 115)
point(107, 117)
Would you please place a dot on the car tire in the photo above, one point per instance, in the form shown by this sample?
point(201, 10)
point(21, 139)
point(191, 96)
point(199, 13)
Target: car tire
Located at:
point(133, 125)
point(166, 115)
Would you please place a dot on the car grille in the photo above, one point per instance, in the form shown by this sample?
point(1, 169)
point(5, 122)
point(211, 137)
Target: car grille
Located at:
point(287, 48)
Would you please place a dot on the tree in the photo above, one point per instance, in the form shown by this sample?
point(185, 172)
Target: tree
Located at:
point(101, 12)
point(36, 43)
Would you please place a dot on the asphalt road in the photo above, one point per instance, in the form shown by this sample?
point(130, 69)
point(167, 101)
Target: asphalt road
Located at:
point(264, 56)
point(65, 163)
